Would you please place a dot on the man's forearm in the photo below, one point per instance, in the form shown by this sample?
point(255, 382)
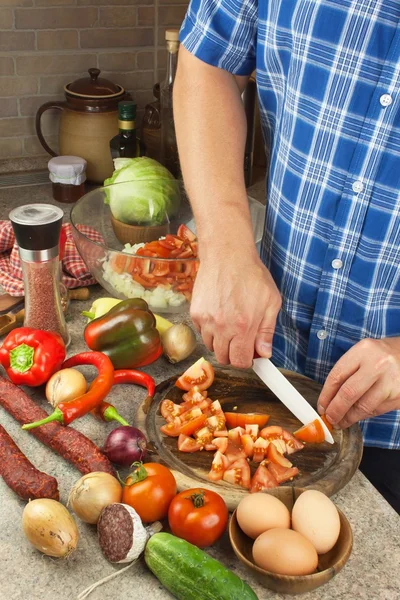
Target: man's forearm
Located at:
point(211, 131)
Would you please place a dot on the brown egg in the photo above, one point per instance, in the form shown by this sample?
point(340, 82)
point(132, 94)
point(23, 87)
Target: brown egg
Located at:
point(316, 517)
point(286, 552)
point(259, 512)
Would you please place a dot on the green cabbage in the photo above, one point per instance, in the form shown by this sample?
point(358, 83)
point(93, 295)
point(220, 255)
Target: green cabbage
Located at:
point(142, 191)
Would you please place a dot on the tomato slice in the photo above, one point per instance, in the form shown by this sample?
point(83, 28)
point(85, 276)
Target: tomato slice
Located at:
point(292, 445)
point(252, 430)
point(221, 433)
point(279, 444)
point(271, 432)
point(204, 436)
point(173, 429)
point(184, 233)
point(190, 414)
point(218, 467)
point(200, 374)
point(328, 425)
point(248, 445)
point(221, 444)
point(168, 244)
point(215, 423)
point(242, 419)
point(262, 480)
point(194, 395)
point(216, 409)
point(259, 449)
point(161, 268)
point(312, 432)
point(187, 444)
point(235, 435)
point(193, 425)
point(203, 405)
point(170, 410)
point(282, 474)
point(234, 453)
point(238, 473)
point(277, 457)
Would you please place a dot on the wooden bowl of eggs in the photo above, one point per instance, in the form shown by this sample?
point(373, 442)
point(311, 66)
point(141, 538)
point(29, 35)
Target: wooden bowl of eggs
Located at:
point(292, 540)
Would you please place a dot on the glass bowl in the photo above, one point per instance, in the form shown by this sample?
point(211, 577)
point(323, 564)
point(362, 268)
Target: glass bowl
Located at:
point(119, 267)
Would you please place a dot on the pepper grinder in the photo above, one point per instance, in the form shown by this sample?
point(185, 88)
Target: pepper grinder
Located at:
point(37, 229)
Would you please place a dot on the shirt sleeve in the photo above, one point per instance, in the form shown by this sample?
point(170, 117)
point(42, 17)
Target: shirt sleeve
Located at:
point(222, 33)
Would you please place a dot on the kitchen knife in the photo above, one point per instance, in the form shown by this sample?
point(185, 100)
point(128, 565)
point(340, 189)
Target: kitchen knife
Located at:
point(287, 394)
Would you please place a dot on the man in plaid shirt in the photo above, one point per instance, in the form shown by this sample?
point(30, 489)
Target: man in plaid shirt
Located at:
point(325, 297)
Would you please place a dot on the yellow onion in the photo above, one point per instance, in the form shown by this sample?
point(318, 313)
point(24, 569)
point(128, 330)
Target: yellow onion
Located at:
point(92, 493)
point(50, 528)
point(64, 386)
point(179, 341)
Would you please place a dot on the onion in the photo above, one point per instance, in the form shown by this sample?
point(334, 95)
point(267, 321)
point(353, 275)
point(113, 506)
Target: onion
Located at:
point(92, 493)
point(64, 386)
point(179, 341)
point(125, 445)
point(50, 528)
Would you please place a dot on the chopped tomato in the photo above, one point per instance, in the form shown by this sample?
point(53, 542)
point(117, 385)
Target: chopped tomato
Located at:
point(221, 433)
point(185, 253)
point(188, 444)
point(195, 395)
point(277, 457)
point(312, 432)
point(216, 423)
point(144, 282)
point(203, 436)
point(167, 244)
point(221, 444)
point(170, 410)
point(200, 374)
point(279, 444)
point(216, 409)
point(282, 474)
point(193, 425)
point(235, 435)
point(242, 419)
point(271, 432)
point(326, 423)
point(161, 268)
point(262, 480)
point(292, 445)
point(259, 449)
point(252, 430)
point(173, 429)
point(203, 405)
point(184, 233)
point(190, 414)
point(218, 467)
point(210, 447)
point(234, 453)
point(238, 473)
point(247, 445)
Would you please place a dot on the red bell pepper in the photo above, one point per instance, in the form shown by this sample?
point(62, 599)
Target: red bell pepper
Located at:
point(127, 334)
point(31, 356)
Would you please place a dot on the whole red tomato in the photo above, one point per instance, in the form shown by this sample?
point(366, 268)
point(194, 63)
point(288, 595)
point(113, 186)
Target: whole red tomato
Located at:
point(198, 516)
point(149, 490)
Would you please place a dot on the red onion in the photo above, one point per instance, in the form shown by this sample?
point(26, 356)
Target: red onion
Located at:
point(125, 445)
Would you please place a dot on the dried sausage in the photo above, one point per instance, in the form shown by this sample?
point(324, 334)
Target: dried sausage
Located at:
point(20, 474)
point(67, 442)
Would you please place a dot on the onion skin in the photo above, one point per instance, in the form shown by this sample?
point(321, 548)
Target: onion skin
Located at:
point(125, 445)
point(178, 342)
point(50, 528)
point(65, 385)
point(92, 493)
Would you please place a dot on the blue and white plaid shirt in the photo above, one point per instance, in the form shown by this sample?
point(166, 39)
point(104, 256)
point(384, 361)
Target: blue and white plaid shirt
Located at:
point(328, 74)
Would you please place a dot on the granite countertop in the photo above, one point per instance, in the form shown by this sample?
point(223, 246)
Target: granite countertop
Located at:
point(371, 572)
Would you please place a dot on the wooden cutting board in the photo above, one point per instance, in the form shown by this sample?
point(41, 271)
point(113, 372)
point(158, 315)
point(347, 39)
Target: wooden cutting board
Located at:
point(325, 467)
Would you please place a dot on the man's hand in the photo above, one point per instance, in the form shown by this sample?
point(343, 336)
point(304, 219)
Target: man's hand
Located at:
point(235, 304)
point(364, 383)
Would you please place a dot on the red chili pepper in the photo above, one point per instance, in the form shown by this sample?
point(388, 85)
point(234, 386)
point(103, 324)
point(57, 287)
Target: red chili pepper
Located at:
point(107, 412)
point(66, 412)
point(31, 356)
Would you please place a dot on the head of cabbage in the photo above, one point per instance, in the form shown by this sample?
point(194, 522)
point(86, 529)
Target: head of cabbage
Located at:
point(142, 191)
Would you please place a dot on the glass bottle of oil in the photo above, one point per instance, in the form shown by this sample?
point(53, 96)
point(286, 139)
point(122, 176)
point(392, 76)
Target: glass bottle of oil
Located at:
point(169, 149)
point(124, 144)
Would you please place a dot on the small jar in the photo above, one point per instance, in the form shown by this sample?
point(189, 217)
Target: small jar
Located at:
point(68, 175)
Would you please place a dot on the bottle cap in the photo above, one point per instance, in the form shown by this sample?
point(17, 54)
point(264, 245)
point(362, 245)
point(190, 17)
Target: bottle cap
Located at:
point(37, 228)
point(126, 110)
point(69, 170)
point(172, 35)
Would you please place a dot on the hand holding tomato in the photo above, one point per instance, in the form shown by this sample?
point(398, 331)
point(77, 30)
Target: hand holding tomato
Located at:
point(150, 490)
point(199, 516)
point(363, 383)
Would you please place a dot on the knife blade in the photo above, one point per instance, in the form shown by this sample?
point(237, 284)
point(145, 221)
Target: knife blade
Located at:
point(287, 394)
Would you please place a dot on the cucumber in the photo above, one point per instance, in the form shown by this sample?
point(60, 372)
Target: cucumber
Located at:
point(191, 574)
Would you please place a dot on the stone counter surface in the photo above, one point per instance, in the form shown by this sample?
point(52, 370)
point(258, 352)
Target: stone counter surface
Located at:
point(372, 571)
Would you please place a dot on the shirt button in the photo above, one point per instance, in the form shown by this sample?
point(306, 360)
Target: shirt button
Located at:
point(337, 263)
point(386, 100)
point(322, 334)
point(358, 186)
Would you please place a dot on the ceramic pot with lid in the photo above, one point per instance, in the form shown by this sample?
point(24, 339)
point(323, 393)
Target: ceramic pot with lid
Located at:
point(89, 119)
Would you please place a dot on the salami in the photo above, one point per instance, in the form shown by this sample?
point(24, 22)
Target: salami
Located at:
point(20, 475)
point(67, 442)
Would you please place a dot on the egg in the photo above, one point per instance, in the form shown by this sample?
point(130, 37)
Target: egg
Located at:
point(316, 517)
point(259, 512)
point(285, 552)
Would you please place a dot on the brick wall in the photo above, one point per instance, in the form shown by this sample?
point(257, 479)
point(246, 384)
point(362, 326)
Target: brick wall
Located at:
point(45, 44)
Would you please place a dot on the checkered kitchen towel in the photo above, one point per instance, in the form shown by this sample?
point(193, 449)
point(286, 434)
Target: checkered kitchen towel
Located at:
point(74, 273)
